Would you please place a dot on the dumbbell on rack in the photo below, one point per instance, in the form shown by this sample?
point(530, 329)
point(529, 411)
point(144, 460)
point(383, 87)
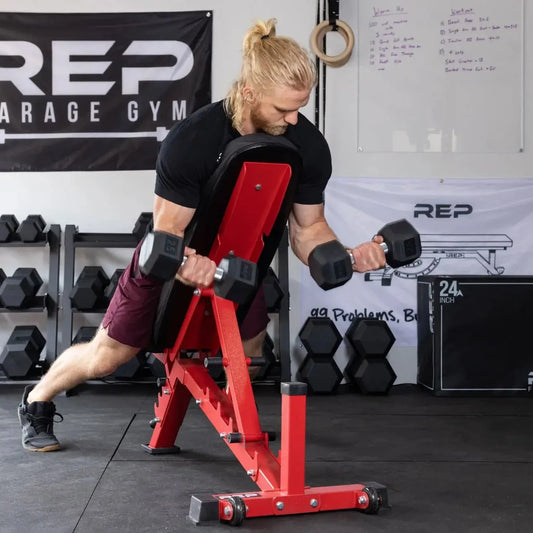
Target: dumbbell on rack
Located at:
point(88, 291)
point(161, 256)
point(8, 227)
point(141, 225)
point(368, 369)
point(18, 291)
point(330, 264)
point(321, 339)
point(31, 229)
point(112, 285)
point(84, 334)
point(21, 353)
point(155, 366)
point(273, 291)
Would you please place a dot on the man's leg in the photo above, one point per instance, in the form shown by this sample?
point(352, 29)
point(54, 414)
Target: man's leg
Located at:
point(98, 358)
point(253, 329)
point(126, 326)
point(95, 359)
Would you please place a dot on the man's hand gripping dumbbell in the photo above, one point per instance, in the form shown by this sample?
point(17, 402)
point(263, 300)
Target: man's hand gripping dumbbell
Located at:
point(332, 265)
point(162, 257)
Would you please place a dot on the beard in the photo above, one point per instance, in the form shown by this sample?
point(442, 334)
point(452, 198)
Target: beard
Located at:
point(260, 123)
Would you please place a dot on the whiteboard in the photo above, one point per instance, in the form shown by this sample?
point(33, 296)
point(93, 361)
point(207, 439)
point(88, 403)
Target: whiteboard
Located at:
point(437, 76)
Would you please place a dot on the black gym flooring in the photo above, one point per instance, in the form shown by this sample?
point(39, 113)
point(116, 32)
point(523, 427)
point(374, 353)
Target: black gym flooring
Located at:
point(450, 464)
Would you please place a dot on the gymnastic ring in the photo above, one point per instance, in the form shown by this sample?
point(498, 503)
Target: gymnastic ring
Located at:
point(317, 39)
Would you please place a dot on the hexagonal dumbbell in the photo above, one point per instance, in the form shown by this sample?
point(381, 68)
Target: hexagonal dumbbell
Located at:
point(142, 224)
point(321, 374)
point(351, 368)
point(272, 368)
point(374, 376)
point(155, 366)
point(161, 255)
point(84, 334)
point(22, 351)
point(370, 337)
point(8, 227)
point(235, 279)
point(320, 336)
point(88, 291)
point(18, 291)
point(31, 229)
point(330, 263)
point(273, 291)
point(113, 283)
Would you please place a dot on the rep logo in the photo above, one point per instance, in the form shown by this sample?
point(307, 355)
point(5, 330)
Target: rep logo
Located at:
point(65, 68)
point(442, 210)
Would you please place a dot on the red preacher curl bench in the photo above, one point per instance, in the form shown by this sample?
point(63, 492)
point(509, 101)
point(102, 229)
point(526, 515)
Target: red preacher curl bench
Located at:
point(244, 212)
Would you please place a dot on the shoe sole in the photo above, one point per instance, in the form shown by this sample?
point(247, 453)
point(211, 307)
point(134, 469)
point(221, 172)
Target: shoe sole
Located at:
point(52, 448)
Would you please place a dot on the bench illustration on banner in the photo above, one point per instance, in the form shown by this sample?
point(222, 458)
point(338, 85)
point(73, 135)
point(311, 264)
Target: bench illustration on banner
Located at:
point(481, 247)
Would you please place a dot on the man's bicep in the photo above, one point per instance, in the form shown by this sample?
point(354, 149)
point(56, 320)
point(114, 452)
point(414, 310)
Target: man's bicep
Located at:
point(171, 217)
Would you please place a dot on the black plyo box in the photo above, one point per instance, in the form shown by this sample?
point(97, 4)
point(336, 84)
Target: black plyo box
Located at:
point(475, 335)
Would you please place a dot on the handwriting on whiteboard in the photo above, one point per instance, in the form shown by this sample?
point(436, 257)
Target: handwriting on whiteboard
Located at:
point(469, 40)
point(392, 42)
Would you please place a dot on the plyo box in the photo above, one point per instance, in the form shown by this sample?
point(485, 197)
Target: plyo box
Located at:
point(475, 335)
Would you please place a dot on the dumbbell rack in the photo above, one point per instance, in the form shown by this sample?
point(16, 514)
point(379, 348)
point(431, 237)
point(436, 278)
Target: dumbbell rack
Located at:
point(74, 240)
point(49, 301)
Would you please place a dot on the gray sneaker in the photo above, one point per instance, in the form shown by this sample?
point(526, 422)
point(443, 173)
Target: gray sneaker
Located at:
point(37, 421)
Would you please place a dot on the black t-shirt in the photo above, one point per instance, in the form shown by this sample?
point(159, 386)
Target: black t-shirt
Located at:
point(191, 151)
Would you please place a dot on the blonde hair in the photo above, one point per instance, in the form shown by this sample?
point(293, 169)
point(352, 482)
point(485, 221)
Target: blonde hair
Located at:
point(269, 61)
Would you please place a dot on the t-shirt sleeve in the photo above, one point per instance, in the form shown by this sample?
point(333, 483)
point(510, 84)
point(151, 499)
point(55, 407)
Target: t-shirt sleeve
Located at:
point(316, 169)
point(178, 171)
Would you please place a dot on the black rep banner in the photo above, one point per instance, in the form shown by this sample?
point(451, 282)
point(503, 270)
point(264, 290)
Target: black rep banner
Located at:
point(98, 91)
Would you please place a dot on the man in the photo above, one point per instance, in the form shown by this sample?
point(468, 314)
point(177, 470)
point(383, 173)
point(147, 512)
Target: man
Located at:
point(276, 80)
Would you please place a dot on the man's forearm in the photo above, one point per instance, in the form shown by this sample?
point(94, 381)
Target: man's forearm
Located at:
point(304, 240)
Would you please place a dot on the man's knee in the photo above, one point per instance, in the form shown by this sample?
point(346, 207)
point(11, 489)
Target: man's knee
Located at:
point(107, 354)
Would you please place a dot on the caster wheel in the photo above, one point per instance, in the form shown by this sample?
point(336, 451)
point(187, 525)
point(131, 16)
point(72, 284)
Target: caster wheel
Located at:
point(238, 511)
point(374, 500)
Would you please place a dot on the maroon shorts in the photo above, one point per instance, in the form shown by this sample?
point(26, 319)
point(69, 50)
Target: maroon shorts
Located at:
point(132, 311)
point(256, 318)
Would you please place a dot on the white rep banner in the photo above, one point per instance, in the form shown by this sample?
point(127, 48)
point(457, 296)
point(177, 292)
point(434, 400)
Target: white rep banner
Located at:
point(467, 226)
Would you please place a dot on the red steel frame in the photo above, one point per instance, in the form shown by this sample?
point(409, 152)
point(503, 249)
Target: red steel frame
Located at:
point(210, 324)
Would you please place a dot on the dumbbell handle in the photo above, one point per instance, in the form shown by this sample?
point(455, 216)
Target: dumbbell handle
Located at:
point(219, 272)
point(382, 244)
point(235, 278)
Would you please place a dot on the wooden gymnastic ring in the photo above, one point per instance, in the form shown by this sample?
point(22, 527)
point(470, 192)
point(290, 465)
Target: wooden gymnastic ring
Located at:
point(317, 39)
